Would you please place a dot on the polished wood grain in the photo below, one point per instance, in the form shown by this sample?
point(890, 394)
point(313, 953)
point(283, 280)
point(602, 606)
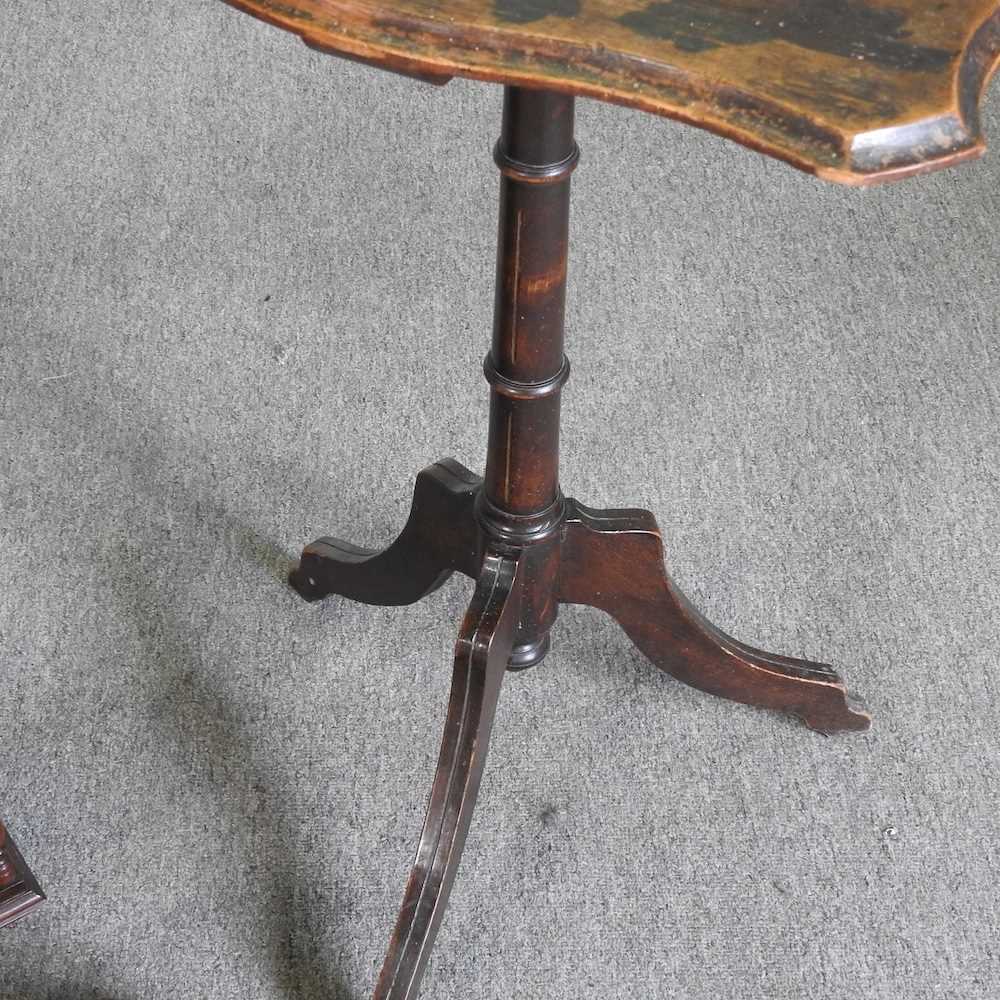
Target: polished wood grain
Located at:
point(418, 562)
point(481, 655)
point(855, 91)
point(529, 548)
point(613, 560)
point(19, 889)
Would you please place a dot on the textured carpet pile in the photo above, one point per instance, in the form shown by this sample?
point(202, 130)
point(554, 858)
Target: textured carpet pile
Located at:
point(245, 290)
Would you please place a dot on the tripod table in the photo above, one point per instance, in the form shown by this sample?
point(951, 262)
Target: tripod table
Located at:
point(855, 91)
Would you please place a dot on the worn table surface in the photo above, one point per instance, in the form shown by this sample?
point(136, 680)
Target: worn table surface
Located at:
point(854, 90)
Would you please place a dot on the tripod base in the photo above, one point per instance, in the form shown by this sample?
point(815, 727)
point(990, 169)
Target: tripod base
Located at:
point(612, 560)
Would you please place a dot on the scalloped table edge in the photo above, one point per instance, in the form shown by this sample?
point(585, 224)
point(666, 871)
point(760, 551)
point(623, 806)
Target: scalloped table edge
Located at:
point(779, 131)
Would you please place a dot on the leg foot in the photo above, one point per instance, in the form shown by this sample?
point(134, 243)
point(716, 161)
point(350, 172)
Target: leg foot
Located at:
point(481, 656)
point(439, 538)
point(613, 560)
point(529, 654)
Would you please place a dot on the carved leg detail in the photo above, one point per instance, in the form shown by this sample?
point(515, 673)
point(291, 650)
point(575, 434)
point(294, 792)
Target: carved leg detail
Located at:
point(481, 655)
point(439, 538)
point(613, 560)
point(19, 891)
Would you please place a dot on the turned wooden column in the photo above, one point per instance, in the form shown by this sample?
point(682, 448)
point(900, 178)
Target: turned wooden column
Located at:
point(521, 504)
point(526, 367)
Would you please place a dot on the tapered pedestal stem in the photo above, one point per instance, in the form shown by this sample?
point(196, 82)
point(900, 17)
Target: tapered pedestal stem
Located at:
point(530, 549)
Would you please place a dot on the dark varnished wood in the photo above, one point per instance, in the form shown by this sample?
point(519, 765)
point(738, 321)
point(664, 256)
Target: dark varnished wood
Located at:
point(529, 548)
point(438, 539)
point(855, 91)
point(526, 366)
point(481, 655)
point(613, 560)
point(19, 889)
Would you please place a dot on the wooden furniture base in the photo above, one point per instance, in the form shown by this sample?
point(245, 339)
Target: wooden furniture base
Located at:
point(19, 890)
point(527, 547)
point(607, 559)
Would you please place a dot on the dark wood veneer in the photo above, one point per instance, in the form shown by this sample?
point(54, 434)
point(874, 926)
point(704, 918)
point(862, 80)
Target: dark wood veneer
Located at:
point(528, 547)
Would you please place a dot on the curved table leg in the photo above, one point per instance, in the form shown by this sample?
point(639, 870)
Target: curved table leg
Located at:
point(481, 656)
point(613, 560)
point(439, 538)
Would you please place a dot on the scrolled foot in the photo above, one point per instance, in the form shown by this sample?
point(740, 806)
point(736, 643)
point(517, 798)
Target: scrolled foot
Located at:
point(439, 538)
point(613, 560)
point(481, 655)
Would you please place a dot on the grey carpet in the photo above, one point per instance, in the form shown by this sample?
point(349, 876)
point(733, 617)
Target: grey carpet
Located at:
point(244, 294)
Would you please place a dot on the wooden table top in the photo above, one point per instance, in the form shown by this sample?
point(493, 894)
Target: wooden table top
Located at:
point(855, 91)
